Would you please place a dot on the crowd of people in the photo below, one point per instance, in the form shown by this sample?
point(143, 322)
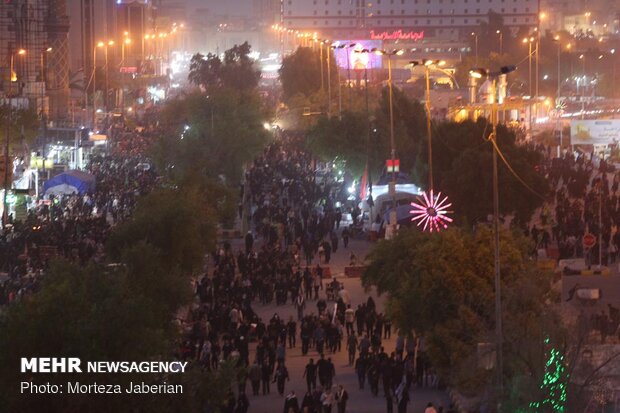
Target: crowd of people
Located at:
point(74, 226)
point(583, 199)
point(292, 215)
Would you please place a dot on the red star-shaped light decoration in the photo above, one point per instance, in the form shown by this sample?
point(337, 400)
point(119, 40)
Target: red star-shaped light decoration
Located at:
point(431, 211)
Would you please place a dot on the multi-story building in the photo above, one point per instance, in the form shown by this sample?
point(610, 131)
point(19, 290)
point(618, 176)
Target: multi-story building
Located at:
point(451, 19)
point(33, 42)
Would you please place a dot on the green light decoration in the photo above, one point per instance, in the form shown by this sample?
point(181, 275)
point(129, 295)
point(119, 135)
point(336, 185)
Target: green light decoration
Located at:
point(553, 384)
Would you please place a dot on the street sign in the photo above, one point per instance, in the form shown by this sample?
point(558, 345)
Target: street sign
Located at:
point(589, 240)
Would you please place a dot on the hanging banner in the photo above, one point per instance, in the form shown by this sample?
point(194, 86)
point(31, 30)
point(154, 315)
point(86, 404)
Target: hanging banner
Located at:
point(594, 132)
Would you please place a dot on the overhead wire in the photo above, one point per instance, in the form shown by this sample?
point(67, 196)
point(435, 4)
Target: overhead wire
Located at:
point(514, 173)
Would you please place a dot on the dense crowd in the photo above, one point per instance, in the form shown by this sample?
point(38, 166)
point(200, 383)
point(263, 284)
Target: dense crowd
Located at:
point(74, 226)
point(297, 225)
point(583, 199)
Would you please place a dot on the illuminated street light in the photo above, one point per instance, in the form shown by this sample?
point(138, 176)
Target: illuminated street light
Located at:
point(479, 73)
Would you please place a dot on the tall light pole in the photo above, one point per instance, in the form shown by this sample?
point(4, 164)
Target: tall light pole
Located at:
point(351, 46)
point(389, 54)
point(340, 47)
point(476, 43)
point(125, 44)
point(558, 125)
point(479, 73)
point(613, 77)
point(329, 82)
point(107, 72)
point(321, 62)
point(529, 41)
point(99, 44)
point(501, 41)
point(13, 73)
point(428, 64)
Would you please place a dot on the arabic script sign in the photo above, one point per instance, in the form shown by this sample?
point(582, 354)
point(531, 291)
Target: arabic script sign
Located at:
point(397, 35)
point(594, 132)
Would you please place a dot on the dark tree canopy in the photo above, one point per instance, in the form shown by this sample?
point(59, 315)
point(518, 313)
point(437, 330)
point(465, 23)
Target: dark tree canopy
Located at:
point(442, 286)
point(300, 73)
point(237, 71)
point(462, 164)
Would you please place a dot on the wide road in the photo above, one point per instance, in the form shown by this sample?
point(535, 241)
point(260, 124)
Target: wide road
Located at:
point(360, 401)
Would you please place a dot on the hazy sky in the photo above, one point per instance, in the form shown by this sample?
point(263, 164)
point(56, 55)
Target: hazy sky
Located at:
point(231, 7)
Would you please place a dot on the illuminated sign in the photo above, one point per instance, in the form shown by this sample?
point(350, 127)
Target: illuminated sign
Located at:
point(128, 69)
point(397, 35)
point(352, 57)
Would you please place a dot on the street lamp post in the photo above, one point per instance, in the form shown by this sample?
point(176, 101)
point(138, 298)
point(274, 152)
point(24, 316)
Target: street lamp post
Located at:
point(98, 45)
point(558, 94)
point(124, 45)
point(107, 72)
point(389, 54)
point(428, 64)
point(476, 43)
point(501, 41)
point(529, 41)
point(329, 82)
point(13, 73)
point(613, 72)
point(479, 73)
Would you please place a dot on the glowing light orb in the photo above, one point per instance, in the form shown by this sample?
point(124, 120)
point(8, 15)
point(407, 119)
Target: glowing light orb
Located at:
point(431, 212)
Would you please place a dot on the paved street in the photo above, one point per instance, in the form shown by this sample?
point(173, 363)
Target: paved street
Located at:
point(360, 401)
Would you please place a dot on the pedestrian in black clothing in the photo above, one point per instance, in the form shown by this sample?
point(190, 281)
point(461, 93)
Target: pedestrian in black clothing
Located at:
point(254, 375)
point(280, 377)
point(390, 402)
point(243, 404)
point(307, 404)
point(360, 369)
point(265, 378)
point(291, 329)
point(310, 375)
point(403, 401)
point(341, 399)
point(345, 237)
point(249, 242)
point(291, 404)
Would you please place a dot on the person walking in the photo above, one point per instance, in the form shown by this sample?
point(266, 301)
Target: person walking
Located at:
point(403, 400)
point(243, 404)
point(345, 237)
point(327, 400)
point(307, 404)
point(351, 347)
point(280, 377)
point(341, 399)
point(300, 304)
point(349, 318)
point(265, 377)
point(310, 375)
point(291, 404)
point(254, 375)
point(360, 369)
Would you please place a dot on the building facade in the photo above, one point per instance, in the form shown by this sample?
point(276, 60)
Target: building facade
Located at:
point(453, 19)
point(33, 42)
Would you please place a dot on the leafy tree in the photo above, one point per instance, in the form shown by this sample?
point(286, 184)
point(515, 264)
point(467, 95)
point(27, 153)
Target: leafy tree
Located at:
point(237, 71)
point(212, 135)
point(442, 286)
point(93, 313)
point(462, 164)
point(300, 73)
point(344, 138)
point(409, 130)
point(179, 224)
point(22, 125)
